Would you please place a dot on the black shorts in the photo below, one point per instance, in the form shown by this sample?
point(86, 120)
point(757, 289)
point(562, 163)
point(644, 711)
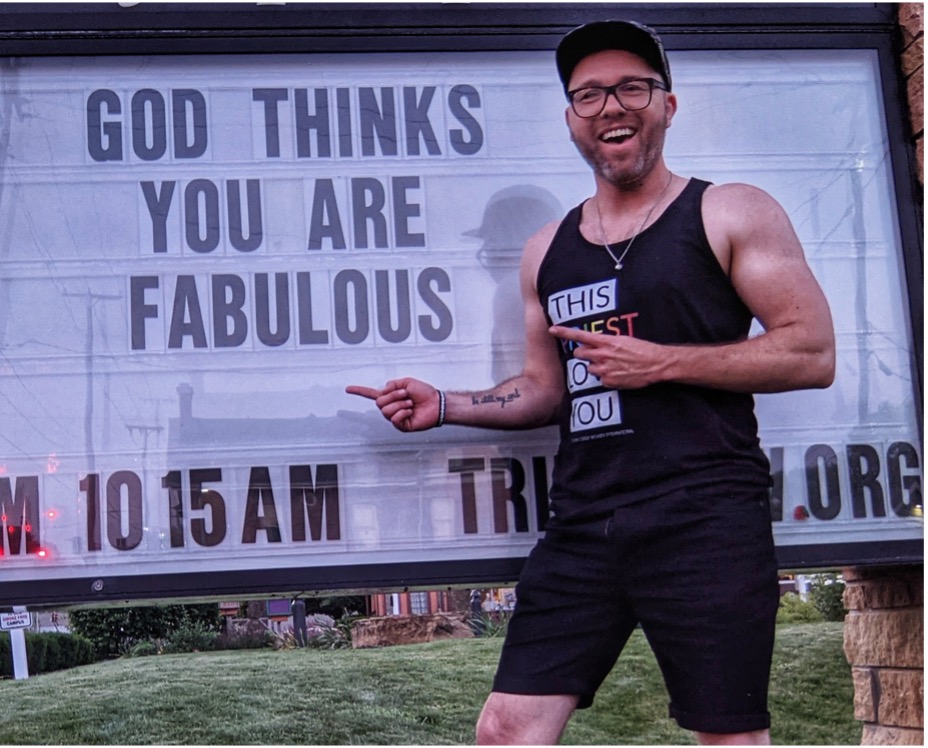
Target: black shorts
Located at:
point(695, 568)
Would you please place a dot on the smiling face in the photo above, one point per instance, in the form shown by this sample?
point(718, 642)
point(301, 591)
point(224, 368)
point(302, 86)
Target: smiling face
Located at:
point(622, 147)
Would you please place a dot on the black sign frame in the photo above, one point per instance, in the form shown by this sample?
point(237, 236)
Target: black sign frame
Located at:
point(38, 29)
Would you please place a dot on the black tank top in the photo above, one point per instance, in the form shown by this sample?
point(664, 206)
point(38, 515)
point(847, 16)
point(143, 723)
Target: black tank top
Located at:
point(620, 447)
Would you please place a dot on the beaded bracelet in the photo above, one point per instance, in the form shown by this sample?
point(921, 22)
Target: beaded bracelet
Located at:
point(441, 409)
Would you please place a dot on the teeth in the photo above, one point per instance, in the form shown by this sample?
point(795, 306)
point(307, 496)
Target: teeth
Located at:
point(617, 133)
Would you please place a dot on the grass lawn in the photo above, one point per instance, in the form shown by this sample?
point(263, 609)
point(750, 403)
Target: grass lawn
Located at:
point(427, 694)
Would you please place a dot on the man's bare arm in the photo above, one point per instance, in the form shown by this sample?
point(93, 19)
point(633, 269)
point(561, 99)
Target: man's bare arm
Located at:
point(527, 400)
point(752, 236)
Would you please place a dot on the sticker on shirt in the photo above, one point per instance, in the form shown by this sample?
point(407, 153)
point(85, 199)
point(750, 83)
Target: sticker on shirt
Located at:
point(583, 301)
point(579, 377)
point(595, 411)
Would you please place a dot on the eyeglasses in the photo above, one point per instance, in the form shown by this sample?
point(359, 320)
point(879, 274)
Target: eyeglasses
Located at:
point(632, 95)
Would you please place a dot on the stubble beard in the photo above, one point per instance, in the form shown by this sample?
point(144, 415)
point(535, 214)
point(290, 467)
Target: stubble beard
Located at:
point(622, 175)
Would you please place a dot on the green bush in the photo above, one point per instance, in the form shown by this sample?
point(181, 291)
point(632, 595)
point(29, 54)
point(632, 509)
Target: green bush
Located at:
point(114, 631)
point(258, 640)
point(46, 652)
point(336, 636)
point(53, 659)
point(36, 647)
point(793, 609)
point(827, 595)
point(144, 649)
point(83, 651)
point(198, 637)
point(191, 637)
point(491, 625)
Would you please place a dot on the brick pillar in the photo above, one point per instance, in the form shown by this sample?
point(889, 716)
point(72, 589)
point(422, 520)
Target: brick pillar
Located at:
point(912, 30)
point(884, 627)
point(883, 642)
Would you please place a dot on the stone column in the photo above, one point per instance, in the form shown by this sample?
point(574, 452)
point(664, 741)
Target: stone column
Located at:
point(884, 643)
point(884, 627)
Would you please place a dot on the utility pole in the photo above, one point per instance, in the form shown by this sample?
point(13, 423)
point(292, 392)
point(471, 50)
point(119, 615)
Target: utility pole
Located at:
point(92, 298)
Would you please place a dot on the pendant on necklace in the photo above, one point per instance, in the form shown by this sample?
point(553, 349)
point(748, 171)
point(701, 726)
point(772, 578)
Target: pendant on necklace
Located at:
point(602, 230)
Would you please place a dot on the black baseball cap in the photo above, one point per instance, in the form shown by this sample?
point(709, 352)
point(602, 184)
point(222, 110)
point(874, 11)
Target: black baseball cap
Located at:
point(602, 35)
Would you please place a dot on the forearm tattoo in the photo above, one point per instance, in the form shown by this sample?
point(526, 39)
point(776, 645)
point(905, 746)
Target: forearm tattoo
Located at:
point(490, 399)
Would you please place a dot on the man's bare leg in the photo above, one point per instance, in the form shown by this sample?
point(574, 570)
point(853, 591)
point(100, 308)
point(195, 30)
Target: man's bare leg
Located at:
point(758, 737)
point(516, 719)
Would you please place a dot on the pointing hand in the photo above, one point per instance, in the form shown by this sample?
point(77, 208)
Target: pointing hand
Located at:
point(409, 404)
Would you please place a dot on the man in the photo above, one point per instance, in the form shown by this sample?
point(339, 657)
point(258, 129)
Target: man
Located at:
point(637, 311)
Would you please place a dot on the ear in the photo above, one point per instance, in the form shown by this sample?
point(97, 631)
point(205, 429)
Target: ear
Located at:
point(670, 108)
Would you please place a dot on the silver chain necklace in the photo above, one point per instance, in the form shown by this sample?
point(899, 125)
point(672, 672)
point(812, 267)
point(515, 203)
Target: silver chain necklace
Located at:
point(602, 231)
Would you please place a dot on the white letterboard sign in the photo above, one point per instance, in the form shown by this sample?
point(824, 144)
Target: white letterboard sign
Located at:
point(197, 254)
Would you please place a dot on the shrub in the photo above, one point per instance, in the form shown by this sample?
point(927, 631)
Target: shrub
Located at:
point(245, 640)
point(827, 595)
point(199, 638)
point(334, 636)
point(36, 647)
point(191, 637)
point(53, 659)
point(793, 609)
point(46, 652)
point(114, 631)
point(73, 650)
point(490, 625)
point(63, 651)
point(288, 640)
point(81, 650)
point(144, 649)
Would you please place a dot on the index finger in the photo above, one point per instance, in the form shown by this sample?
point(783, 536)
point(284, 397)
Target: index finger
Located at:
point(369, 392)
point(576, 335)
